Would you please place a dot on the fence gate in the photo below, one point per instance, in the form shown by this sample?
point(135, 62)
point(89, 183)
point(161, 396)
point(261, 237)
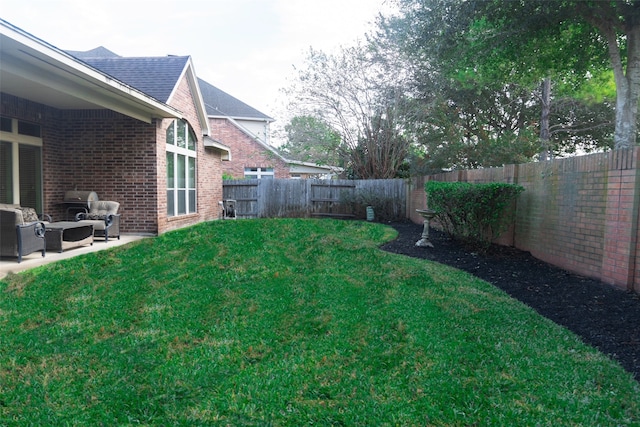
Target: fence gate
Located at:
point(330, 199)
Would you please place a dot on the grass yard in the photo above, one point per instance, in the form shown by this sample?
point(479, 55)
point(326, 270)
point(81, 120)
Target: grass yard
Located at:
point(288, 322)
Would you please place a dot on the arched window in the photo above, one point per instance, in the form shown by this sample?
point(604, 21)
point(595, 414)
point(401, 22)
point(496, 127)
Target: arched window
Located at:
point(181, 169)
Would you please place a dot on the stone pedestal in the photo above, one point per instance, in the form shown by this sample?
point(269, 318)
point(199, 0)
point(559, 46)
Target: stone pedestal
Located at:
point(427, 215)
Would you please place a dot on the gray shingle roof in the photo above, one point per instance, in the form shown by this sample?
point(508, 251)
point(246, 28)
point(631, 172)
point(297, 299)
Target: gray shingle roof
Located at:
point(220, 103)
point(158, 76)
point(98, 52)
point(155, 76)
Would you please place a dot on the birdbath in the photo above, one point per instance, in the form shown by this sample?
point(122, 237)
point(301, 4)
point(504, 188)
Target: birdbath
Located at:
point(427, 214)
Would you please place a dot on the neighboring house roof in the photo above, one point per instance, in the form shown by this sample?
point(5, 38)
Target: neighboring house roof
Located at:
point(221, 104)
point(98, 52)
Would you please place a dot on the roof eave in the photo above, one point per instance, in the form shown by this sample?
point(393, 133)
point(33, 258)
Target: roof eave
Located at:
point(192, 80)
point(34, 63)
point(224, 150)
point(306, 167)
point(253, 119)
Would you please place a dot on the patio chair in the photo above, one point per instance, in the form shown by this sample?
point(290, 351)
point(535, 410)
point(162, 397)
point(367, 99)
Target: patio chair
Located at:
point(229, 209)
point(21, 231)
point(104, 217)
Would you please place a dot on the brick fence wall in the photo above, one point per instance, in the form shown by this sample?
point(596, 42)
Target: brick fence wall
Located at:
point(578, 213)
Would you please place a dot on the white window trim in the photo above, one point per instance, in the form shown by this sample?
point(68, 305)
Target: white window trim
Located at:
point(260, 172)
point(184, 151)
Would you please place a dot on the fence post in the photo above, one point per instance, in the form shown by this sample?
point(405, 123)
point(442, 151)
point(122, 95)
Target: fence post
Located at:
point(621, 220)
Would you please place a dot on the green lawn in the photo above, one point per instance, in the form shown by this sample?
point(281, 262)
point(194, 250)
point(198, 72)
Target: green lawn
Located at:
point(288, 322)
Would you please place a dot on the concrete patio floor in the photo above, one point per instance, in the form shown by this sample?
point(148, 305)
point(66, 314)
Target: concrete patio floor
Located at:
point(10, 265)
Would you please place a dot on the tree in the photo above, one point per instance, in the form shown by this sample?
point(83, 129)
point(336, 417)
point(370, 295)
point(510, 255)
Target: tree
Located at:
point(360, 95)
point(310, 139)
point(532, 39)
point(470, 127)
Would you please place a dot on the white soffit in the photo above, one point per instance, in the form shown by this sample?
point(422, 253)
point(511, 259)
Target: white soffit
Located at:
point(216, 145)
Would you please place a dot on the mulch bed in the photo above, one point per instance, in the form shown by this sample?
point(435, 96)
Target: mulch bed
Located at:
point(605, 317)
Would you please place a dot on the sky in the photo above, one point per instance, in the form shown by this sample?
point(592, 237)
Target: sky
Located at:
point(247, 48)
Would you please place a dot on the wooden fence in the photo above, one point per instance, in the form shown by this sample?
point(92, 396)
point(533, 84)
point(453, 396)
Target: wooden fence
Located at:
point(262, 198)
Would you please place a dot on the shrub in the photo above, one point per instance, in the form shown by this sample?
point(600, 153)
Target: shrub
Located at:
point(474, 213)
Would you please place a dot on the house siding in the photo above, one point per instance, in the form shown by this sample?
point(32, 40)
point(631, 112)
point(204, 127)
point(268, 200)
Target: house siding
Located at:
point(245, 151)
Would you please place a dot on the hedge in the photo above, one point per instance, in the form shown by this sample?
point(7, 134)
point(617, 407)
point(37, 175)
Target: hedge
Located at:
point(474, 213)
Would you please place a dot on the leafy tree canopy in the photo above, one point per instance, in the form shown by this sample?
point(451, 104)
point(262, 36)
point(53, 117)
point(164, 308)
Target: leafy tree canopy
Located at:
point(483, 42)
point(310, 139)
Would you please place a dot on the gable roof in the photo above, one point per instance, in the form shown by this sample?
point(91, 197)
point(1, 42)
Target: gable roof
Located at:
point(221, 104)
point(155, 76)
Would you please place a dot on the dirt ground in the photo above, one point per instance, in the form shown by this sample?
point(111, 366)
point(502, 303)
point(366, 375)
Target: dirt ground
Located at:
point(605, 317)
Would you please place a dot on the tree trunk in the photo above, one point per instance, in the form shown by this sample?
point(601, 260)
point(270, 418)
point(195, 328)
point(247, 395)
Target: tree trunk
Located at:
point(627, 86)
point(544, 120)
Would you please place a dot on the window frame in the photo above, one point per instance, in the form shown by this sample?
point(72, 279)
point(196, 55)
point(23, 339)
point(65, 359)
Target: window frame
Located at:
point(182, 180)
point(19, 134)
point(259, 172)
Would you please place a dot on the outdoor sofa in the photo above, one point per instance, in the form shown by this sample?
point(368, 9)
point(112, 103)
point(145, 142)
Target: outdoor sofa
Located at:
point(22, 232)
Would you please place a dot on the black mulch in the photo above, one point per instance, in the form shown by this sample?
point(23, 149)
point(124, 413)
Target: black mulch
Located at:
point(605, 317)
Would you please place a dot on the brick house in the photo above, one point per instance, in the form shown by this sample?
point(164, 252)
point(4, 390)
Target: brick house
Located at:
point(245, 131)
point(135, 130)
point(232, 123)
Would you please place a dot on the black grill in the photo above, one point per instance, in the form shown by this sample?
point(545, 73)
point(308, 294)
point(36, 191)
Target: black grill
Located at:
point(78, 201)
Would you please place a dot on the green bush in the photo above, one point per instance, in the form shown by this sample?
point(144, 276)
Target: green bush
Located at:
point(474, 213)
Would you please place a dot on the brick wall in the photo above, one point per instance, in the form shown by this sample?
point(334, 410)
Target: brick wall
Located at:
point(578, 213)
point(111, 154)
point(245, 151)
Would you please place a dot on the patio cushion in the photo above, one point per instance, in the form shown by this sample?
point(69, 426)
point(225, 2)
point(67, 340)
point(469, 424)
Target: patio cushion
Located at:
point(100, 209)
point(104, 216)
point(28, 214)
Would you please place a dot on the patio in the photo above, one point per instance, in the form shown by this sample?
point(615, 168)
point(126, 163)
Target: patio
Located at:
point(8, 265)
